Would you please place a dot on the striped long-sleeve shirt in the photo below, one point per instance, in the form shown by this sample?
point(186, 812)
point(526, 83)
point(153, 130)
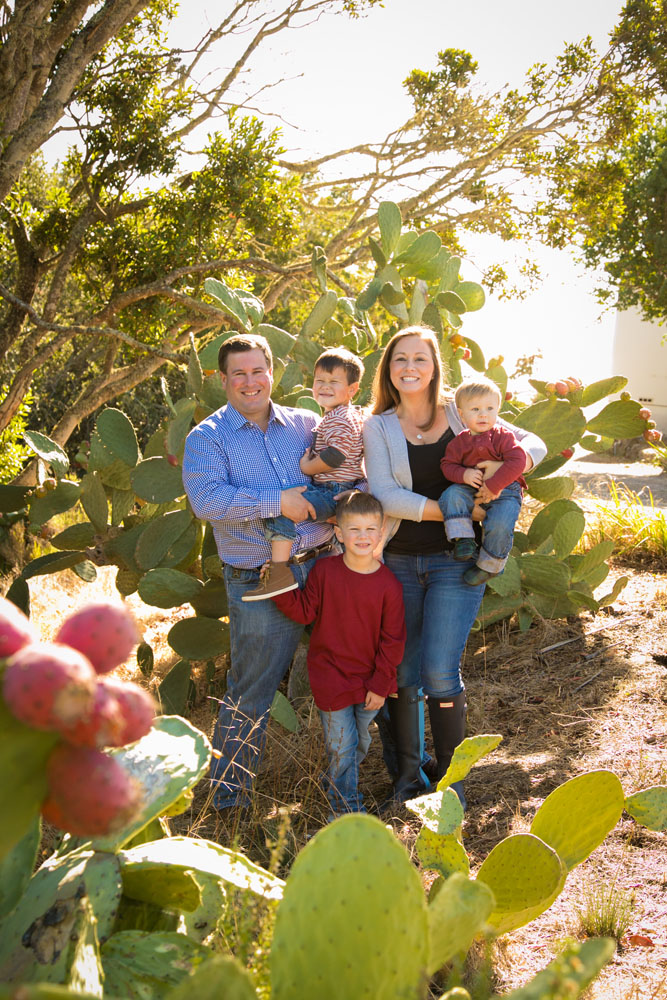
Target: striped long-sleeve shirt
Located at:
point(234, 473)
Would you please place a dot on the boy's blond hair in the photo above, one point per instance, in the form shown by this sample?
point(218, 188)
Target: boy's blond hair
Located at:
point(479, 387)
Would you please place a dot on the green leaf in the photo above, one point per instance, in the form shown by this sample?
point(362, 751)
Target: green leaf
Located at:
point(367, 298)
point(509, 581)
point(283, 712)
point(308, 403)
point(221, 976)
point(525, 875)
point(649, 807)
point(376, 252)
point(390, 222)
point(17, 866)
point(167, 762)
point(253, 306)
point(472, 294)
point(609, 598)
point(619, 419)
point(466, 755)
point(145, 659)
point(12, 498)
point(545, 468)
point(543, 524)
point(57, 501)
point(569, 974)
point(420, 251)
point(551, 488)
point(94, 500)
point(557, 422)
point(567, 533)
point(451, 301)
point(318, 262)
point(441, 812)
point(444, 854)
point(168, 588)
point(596, 391)
point(280, 341)
point(199, 638)
point(52, 562)
point(544, 574)
point(157, 481)
point(173, 689)
point(458, 912)
point(591, 559)
point(48, 451)
point(322, 311)
point(118, 435)
point(146, 964)
point(576, 817)
point(211, 600)
point(166, 541)
point(450, 275)
point(86, 571)
point(431, 318)
point(179, 427)
point(476, 359)
point(228, 301)
point(77, 536)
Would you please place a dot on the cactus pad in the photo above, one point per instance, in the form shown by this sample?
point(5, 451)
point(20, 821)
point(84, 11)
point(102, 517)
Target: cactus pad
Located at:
point(143, 964)
point(353, 920)
point(444, 854)
point(441, 812)
point(579, 814)
point(525, 876)
point(456, 914)
point(219, 977)
point(466, 755)
point(649, 807)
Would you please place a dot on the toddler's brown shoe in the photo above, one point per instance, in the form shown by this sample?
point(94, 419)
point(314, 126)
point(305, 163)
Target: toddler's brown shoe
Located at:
point(276, 579)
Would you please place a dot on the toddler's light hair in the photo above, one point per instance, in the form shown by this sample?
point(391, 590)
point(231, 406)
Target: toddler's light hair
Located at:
point(478, 387)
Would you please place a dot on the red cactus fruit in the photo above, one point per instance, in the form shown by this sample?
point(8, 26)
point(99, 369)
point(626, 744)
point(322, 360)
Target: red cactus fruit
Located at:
point(562, 388)
point(104, 727)
point(172, 460)
point(550, 388)
point(48, 686)
point(90, 794)
point(652, 436)
point(509, 395)
point(567, 452)
point(137, 709)
point(104, 632)
point(15, 629)
point(645, 413)
point(467, 354)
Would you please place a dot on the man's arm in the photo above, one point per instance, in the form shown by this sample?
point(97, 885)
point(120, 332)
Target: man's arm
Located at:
point(213, 498)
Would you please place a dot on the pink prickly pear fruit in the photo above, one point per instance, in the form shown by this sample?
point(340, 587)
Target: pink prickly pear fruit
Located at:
point(137, 709)
point(645, 413)
point(104, 727)
point(562, 388)
point(104, 632)
point(508, 395)
point(652, 436)
point(15, 629)
point(550, 387)
point(89, 793)
point(467, 354)
point(48, 686)
point(567, 452)
point(172, 460)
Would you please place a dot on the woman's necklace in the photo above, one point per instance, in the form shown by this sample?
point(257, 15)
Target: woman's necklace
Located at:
point(419, 437)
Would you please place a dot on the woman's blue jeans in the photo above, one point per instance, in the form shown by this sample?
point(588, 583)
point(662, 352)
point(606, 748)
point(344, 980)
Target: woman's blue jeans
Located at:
point(440, 610)
point(347, 739)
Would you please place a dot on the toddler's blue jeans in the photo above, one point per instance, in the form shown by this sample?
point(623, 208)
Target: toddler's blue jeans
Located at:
point(456, 504)
point(321, 495)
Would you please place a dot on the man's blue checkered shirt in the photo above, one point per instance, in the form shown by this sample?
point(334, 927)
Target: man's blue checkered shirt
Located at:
point(234, 473)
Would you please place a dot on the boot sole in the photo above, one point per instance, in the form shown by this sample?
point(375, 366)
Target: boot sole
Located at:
point(274, 593)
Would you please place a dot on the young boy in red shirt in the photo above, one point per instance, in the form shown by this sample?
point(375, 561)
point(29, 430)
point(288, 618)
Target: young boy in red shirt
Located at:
point(357, 642)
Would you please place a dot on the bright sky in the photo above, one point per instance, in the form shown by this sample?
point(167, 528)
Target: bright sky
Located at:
point(343, 84)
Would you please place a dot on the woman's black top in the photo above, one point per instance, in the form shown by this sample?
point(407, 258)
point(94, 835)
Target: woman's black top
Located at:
point(424, 537)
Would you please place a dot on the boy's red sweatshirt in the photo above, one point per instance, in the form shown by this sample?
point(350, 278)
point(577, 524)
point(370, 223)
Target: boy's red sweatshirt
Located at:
point(359, 632)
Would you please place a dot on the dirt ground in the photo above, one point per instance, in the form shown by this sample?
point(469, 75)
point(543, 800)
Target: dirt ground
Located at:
point(598, 701)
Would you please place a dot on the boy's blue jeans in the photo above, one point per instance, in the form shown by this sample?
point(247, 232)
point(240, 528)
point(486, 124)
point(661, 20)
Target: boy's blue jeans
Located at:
point(321, 495)
point(456, 504)
point(347, 739)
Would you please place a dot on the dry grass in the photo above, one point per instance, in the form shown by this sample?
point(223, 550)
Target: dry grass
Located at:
point(598, 701)
point(637, 527)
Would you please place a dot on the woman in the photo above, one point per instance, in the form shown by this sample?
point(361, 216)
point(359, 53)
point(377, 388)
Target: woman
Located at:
point(404, 441)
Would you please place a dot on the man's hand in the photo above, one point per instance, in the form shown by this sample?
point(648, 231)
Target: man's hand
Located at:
point(484, 494)
point(473, 477)
point(373, 701)
point(295, 506)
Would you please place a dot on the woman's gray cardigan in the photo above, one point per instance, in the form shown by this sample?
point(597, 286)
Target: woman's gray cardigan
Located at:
point(388, 465)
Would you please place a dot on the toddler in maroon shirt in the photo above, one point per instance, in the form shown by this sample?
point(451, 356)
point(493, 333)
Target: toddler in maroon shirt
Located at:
point(500, 495)
point(358, 638)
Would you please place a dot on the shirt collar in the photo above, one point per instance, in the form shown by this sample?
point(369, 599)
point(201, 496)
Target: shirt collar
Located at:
point(237, 420)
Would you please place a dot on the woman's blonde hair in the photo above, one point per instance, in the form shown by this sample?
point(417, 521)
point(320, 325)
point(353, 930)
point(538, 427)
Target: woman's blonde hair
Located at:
point(386, 395)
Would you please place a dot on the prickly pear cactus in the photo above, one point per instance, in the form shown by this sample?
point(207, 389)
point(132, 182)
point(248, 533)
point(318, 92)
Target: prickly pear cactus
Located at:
point(525, 875)
point(568, 975)
point(353, 919)
point(579, 814)
point(218, 977)
point(457, 913)
point(649, 807)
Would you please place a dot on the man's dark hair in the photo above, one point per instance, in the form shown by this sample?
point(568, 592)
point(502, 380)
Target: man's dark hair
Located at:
point(358, 503)
point(340, 357)
point(240, 344)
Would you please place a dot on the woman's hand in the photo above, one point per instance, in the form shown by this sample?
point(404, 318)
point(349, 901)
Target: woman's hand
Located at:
point(489, 467)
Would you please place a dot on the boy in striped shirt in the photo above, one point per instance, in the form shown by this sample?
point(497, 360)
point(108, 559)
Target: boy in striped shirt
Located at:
point(335, 462)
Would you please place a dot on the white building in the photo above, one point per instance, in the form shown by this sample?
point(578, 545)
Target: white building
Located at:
point(640, 353)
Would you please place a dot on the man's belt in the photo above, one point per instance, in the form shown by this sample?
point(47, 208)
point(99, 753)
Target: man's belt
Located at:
point(307, 554)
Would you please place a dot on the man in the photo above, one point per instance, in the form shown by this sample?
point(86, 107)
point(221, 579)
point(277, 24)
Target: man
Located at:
point(240, 466)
